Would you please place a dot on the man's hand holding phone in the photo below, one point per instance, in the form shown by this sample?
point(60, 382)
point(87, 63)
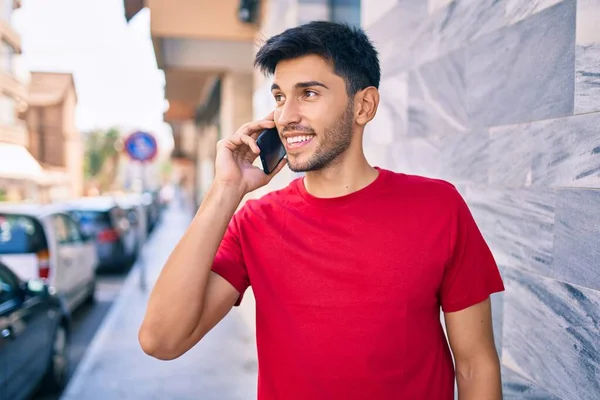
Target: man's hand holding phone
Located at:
point(235, 157)
point(188, 299)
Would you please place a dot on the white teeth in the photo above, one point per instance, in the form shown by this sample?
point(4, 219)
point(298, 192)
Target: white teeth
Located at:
point(297, 139)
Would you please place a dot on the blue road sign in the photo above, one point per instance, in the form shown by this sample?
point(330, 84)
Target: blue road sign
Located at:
point(141, 146)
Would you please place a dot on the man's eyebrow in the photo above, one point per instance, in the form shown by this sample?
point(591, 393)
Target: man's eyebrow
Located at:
point(309, 84)
point(275, 86)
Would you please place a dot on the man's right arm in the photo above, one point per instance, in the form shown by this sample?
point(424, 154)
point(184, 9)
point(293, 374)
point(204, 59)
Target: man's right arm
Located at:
point(189, 299)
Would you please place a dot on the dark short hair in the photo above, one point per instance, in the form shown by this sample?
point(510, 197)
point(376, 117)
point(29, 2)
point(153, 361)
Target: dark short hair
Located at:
point(348, 49)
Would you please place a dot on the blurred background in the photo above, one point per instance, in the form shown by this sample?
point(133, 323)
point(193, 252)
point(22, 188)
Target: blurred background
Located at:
point(110, 111)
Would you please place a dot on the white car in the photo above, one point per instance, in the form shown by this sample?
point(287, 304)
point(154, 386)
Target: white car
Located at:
point(45, 242)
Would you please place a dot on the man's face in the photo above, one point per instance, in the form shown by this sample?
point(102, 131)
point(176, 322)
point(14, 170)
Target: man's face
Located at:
point(314, 115)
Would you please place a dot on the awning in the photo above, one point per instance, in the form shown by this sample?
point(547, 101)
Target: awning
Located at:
point(17, 163)
point(54, 178)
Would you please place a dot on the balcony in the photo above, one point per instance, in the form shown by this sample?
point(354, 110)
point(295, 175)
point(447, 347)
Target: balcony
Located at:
point(185, 89)
point(199, 19)
point(10, 35)
point(180, 111)
point(195, 41)
point(13, 87)
point(213, 54)
point(14, 134)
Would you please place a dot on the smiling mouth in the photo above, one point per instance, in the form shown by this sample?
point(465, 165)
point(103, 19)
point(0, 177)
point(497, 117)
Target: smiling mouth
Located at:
point(298, 141)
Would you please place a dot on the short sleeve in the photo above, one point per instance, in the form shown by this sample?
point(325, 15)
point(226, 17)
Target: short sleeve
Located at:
point(471, 274)
point(229, 260)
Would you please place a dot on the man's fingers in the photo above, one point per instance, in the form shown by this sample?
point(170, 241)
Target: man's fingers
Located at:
point(240, 144)
point(237, 138)
point(247, 135)
point(256, 134)
point(253, 127)
point(251, 143)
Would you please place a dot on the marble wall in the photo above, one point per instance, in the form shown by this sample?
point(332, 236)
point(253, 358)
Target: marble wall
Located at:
point(502, 98)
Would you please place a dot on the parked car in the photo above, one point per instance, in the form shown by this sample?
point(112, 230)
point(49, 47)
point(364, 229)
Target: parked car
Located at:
point(44, 242)
point(34, 337)
point(111, 228)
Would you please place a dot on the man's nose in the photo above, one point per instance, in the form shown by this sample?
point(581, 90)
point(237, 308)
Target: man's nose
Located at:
point(289, 115)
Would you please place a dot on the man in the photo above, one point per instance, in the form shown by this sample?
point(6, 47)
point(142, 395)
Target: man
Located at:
point(349, 265)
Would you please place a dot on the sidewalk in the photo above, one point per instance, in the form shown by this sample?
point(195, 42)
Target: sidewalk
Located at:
point(221, 367)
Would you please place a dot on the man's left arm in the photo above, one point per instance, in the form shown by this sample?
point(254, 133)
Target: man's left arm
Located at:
point(472, 342)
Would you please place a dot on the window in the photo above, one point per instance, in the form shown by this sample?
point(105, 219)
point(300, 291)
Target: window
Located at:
point(347, 11)
point(7, 110)
point(73, 231)
point(9, 286)
point(60, 229)
point(20, 234)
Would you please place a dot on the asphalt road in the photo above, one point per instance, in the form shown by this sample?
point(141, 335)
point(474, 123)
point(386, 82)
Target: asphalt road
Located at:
point(88, 319)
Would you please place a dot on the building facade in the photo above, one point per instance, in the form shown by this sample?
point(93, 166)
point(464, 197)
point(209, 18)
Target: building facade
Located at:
point(19, 171)
point(502, 98)
point(204, 51)
point(499, 97)
point(54, 139)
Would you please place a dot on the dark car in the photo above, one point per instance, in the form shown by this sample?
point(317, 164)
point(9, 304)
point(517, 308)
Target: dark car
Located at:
point(34, 338)
point(105, 220)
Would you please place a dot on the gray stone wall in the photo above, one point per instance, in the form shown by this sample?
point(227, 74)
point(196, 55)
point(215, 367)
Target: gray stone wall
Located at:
point(502, 98)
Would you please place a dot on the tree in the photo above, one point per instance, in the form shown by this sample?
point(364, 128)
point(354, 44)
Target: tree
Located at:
point(102, 157)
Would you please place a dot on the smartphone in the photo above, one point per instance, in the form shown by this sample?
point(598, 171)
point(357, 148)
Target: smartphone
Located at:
point(272, 150)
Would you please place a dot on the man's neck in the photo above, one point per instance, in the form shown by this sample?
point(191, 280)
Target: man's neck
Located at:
point(342, 178)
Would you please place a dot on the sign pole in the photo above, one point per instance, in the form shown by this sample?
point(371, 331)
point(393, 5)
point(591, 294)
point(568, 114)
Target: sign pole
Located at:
point(143, 148)
point(143, 283)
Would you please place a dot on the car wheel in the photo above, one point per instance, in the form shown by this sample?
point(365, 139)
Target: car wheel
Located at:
point(58, 367)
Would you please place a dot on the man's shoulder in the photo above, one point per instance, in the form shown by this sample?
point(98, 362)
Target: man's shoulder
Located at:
point(423, 197)
point(422, 185)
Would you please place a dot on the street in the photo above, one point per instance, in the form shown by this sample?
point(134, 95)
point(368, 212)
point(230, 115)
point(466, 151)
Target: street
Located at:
point(88, 319)
point(105, 358)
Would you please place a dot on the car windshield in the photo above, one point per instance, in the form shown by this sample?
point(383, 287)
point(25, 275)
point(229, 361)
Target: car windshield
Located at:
point(20, 234)
point(92, 216)
point(91, 221)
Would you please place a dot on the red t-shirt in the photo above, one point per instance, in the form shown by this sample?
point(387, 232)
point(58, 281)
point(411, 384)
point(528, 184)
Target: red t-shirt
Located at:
point(348, 290)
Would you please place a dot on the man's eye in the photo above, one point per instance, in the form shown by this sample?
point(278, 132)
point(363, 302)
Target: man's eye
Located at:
point(310, 93)
point(278, 98)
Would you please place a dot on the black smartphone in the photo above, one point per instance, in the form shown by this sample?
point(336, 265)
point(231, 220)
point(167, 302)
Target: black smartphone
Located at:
point(272, 150)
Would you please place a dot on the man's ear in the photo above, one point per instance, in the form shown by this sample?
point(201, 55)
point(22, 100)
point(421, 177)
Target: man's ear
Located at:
point(366, 102)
